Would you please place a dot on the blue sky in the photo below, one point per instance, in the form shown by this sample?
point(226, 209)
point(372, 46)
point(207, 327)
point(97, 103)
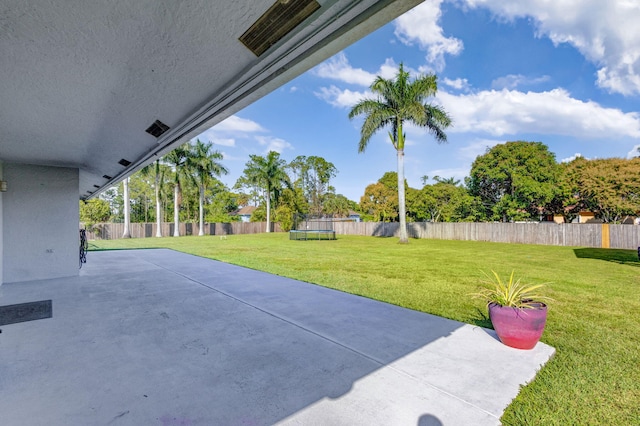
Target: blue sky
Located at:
point(554, 72)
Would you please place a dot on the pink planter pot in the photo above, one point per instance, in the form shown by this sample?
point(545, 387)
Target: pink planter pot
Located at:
point(516, 327)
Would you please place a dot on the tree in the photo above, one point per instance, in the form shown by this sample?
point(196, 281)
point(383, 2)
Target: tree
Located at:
point(205, 164)
point(177, 160)
point(380, 202)
point(608, 187)
point(515, 180)
point(450, 181)
point(222, 203)
point(398, 101)
point(96, 210)
point(444, 202)
point(269, 174)
point(158, 171)
point(337, 205)
point(313, 176)
point(127, 209)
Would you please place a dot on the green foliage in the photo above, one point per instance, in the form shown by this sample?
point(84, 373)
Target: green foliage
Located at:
point(313, 176)
point(284, 215)
point(443, 202)
point(267, 173)
point(96, 210)
point(337, 205)
point(220, 203)
point(380, 202)
point(515, 180)
point(609, 187)
point(511, 293)
point(259, 214)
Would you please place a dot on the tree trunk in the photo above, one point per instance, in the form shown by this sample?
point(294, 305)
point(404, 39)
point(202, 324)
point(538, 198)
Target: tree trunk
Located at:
point(127, 207)
point(201, 207)
point(176, 211)
point(404, 238)
point(158, 209)
point(268, 209)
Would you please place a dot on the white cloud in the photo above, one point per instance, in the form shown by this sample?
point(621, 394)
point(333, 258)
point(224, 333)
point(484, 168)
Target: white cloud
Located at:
point(605, 32)
point(477, 147)
point(223, 141)
point(570, 159)
point(237, 124)
point(339, 68)
point(512, 81)
point(508, 112)
point(273, 144)
point(420, 25)
point(635, 152)
point(458, 83)
point(341, 98)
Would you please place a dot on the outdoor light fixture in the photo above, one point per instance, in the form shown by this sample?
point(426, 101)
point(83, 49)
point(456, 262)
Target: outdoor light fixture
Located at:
point(3, 186)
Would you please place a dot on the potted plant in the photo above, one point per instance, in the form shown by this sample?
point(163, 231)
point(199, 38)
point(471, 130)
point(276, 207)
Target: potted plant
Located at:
point(517, 312)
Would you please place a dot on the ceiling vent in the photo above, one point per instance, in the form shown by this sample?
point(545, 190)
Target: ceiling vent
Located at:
point(96, 186)
point(107, 177)
point(124, 162)
point(276, 23)
point(157, 128)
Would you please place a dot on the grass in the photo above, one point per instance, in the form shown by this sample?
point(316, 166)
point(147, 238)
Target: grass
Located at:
point(594, 321)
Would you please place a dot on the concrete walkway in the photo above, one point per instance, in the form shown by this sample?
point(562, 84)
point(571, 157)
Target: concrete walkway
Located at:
point(157, 337)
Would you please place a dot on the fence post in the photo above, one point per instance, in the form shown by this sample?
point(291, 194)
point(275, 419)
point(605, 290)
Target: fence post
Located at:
point(606, 241)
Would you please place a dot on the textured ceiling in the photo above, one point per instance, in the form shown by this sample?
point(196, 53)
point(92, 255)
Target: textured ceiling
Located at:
point(80, 81)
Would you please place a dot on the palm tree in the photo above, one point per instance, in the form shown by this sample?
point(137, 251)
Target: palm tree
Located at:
point(158, 175)
point(177, 159)
point(204, 164)
point(269, 173)
point(127, 209)
point(397, 101)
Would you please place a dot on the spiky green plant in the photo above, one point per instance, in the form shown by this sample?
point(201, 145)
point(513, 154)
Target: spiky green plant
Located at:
point(511, 293)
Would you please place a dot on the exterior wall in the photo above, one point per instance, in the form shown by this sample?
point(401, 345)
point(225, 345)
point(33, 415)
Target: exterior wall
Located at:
point(40, 222)
point(1, 230)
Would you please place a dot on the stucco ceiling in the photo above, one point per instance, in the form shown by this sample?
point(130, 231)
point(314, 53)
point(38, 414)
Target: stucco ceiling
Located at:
point(80, 81)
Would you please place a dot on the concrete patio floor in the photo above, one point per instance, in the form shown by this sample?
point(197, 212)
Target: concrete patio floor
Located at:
point(157, 337)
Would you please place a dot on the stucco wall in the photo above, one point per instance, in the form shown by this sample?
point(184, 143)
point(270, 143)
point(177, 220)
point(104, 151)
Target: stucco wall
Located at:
point(1, 230)
point(40, 223)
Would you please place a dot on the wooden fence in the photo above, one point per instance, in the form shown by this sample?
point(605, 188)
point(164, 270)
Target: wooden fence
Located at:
point(544, 233)
point(114, 231)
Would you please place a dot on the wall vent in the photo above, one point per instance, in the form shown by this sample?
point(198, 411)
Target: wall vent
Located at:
point(107, 177)
point(124, 162)
point(276, 23)
point(157, 128)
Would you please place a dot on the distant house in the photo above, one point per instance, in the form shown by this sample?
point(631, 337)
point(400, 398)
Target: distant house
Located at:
point(355, 216)
point(588, 217)
point(245, 213)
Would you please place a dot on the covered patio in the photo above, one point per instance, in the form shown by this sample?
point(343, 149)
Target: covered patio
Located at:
point(160, 337)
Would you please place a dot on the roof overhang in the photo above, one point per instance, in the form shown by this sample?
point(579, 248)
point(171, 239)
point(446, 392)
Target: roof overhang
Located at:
point(83, 81)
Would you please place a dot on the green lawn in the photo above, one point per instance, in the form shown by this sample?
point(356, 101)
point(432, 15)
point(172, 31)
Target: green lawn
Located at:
point(594, 322)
